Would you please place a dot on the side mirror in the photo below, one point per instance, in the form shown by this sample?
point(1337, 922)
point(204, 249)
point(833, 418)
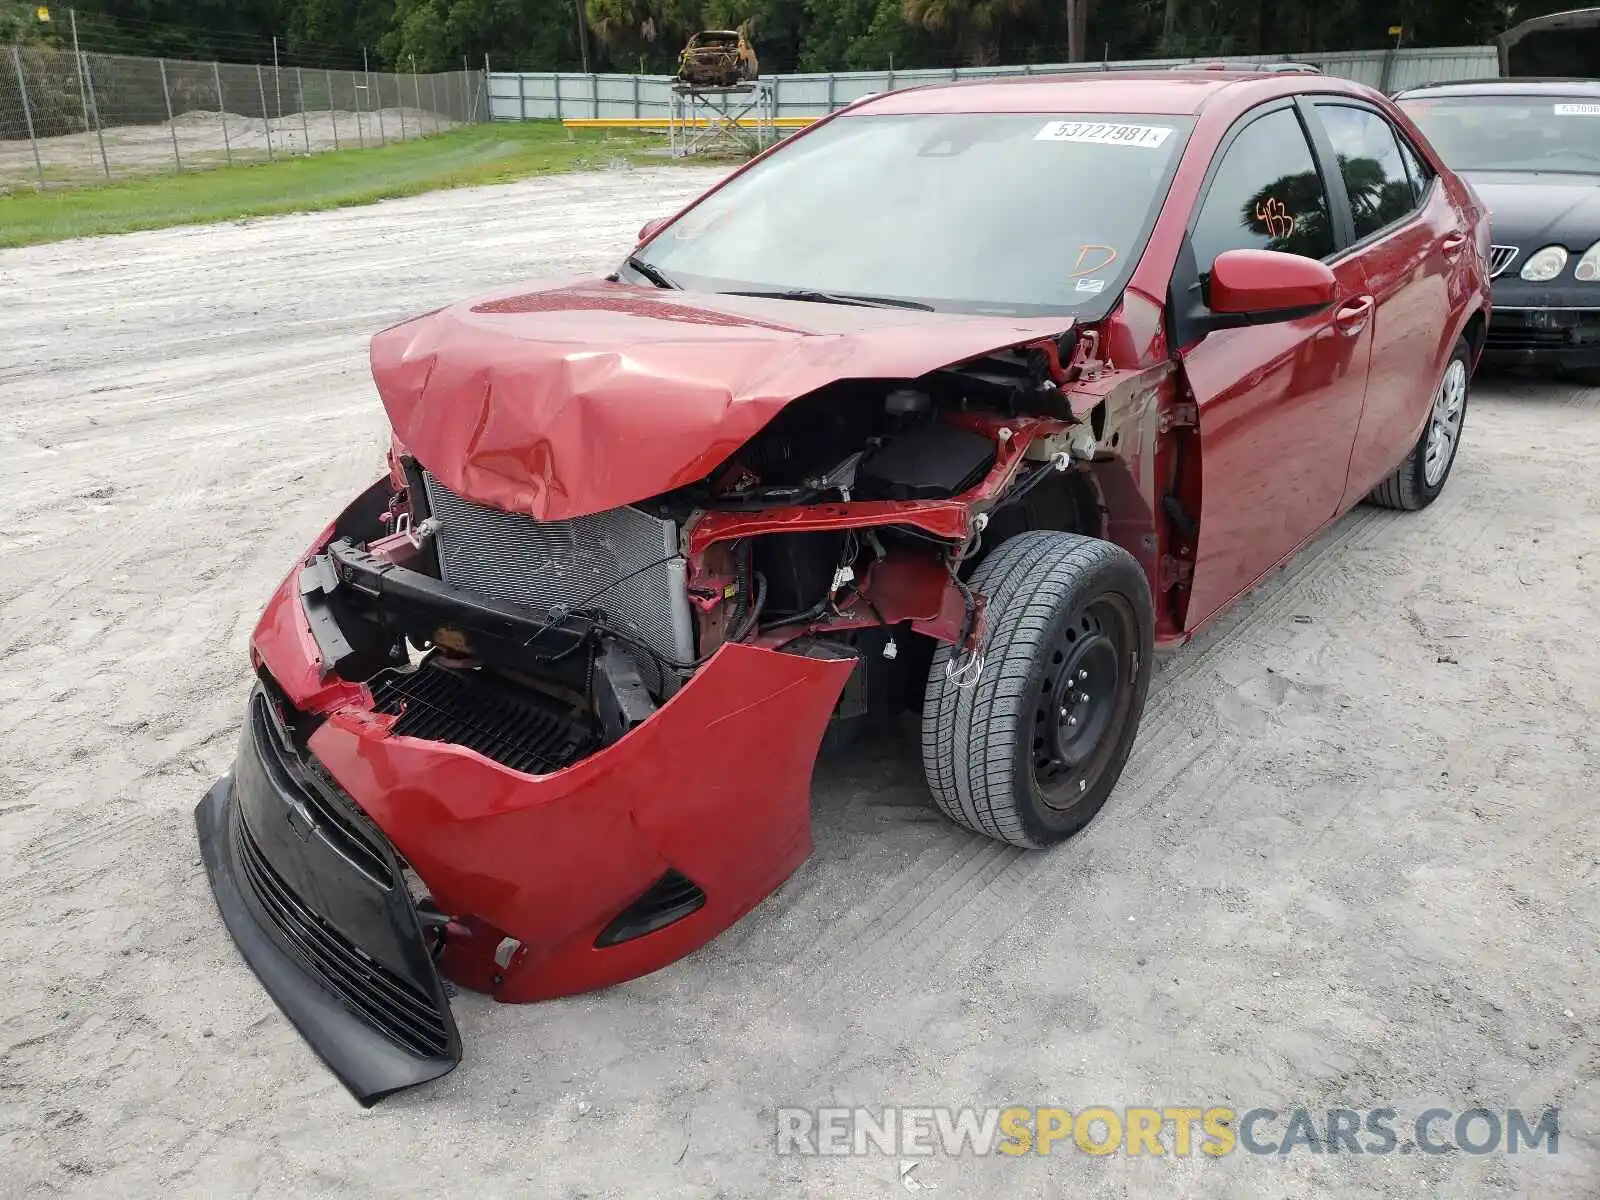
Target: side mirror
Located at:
point(1263, 287)
point(650, 228)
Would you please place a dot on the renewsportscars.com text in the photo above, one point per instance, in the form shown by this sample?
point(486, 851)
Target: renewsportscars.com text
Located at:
point(1163, 1131)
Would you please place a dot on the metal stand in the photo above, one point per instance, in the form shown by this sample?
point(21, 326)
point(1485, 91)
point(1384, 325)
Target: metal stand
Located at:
point(706, 119)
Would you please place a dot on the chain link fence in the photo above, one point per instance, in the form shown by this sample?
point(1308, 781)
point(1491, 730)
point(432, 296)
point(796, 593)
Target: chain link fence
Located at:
point(68, 119)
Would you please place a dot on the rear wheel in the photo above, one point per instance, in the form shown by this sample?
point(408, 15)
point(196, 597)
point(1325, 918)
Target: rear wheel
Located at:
point(1027, 747)
point(1418, 481)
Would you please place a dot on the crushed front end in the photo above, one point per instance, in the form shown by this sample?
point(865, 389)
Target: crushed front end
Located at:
point(548, 736)
point(584, 811)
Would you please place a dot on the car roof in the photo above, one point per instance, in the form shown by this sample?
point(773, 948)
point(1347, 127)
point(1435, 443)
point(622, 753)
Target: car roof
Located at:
point(1164, 93)
point(1529, 86)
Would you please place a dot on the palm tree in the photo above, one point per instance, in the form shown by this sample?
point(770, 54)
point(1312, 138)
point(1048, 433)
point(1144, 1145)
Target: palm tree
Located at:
point(973, 25)
point(1292, 213)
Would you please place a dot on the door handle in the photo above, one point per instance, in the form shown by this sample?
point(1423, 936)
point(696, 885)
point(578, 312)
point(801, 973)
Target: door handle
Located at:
point(1351, 318)
point(1452, 245)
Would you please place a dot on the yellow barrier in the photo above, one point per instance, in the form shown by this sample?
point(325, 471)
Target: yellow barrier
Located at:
point(668, 123)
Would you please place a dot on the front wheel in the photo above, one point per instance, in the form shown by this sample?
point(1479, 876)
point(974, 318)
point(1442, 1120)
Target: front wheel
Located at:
point(1025, 743)
point(1418, 481)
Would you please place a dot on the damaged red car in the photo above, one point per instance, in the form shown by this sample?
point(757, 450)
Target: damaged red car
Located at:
point(962, 401)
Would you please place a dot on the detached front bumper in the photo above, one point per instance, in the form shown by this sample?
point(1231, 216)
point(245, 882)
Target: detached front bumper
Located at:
point(538, 884)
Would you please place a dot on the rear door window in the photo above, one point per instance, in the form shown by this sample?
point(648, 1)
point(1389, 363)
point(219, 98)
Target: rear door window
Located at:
point(1375, 176)
point(1266, 194)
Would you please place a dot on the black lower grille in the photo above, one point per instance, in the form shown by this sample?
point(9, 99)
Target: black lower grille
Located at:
point(1543, 329)
point(499, 720)
point(337, 816)
point(397, 1009)
point(1515, 338)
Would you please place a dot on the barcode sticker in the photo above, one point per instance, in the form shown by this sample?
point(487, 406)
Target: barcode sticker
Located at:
point(1146, 137)
point(1578, 110)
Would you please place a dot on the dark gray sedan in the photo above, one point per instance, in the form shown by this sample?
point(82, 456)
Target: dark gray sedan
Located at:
point(1531, 149)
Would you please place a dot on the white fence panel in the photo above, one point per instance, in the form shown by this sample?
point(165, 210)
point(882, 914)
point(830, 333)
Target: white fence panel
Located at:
point(545, 95)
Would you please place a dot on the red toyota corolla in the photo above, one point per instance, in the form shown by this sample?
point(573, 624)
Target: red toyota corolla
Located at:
point(961, 401)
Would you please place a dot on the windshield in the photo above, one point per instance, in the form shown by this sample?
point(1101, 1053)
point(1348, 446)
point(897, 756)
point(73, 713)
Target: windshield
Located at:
point(999, 214)
point(1512, 133)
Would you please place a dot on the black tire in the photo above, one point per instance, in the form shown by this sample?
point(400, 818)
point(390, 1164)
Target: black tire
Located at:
point(1058, 603)
point(1584, 376)
point(1408, 488)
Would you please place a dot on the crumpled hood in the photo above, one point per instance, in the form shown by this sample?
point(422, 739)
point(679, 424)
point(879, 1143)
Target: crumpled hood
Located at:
point(586, 395)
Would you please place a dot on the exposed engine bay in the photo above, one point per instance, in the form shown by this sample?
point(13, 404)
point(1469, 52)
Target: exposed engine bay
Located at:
point(846, 528)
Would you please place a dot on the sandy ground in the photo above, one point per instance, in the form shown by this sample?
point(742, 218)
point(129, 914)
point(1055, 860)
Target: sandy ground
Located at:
point(206, 139)
point(1353, 862)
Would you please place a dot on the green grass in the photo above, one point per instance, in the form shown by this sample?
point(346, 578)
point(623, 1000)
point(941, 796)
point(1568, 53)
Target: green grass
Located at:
point(479, 154)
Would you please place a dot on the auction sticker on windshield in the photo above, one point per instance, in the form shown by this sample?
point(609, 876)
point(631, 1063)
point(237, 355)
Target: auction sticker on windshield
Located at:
point(1578, 110)
point(1146, 137)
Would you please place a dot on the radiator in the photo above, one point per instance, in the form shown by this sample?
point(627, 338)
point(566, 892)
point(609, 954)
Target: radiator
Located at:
point(577, 562)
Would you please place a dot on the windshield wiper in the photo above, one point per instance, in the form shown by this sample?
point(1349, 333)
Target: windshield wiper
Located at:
point(654, 274)
point(837, 298)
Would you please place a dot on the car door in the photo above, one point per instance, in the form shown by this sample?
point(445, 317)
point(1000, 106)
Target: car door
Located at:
point(1409, 242)
point(1277, 405)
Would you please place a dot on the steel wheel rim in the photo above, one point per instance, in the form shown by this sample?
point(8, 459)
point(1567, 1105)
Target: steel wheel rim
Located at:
point(1082, 700)
point(1444, 423)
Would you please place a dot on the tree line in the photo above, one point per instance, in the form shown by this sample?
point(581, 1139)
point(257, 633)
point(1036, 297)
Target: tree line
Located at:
point(789, 35)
